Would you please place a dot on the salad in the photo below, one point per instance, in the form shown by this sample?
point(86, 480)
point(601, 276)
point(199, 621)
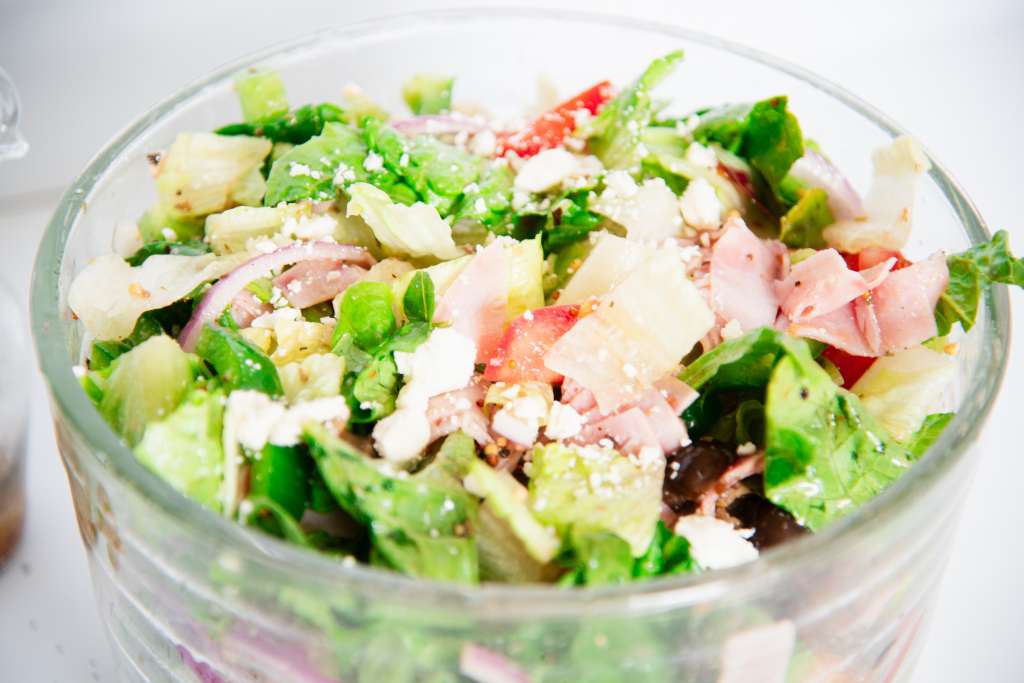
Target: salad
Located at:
point(599, 343)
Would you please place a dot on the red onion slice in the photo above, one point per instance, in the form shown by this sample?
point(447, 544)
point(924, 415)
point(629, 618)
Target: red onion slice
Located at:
point(437, 125)
point(817, 171)
point(486, 666)
point(220, 295)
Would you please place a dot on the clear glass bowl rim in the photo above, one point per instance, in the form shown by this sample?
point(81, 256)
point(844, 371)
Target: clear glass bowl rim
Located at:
point(657, 595)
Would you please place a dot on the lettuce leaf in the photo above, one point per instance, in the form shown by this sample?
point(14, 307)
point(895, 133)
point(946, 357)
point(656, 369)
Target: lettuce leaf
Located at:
point(295, 127)
point(803, 224)
point(772, 141)
point(614, 135)
point(825, 455)
point(928, 434)
point(308, 171)
point(417, 526)
point(972, 272)
point(415, 231)
point(428, 93)
point(601, 557)
point(261, 94)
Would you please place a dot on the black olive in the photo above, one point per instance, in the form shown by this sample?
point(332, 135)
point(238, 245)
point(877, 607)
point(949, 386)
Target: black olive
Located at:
point(771, 524)
point(692, 470)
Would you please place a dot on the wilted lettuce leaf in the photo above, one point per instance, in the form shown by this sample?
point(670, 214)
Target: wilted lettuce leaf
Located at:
point(970, 273)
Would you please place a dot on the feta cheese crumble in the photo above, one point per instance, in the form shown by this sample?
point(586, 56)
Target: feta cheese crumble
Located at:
point(546, 171)
point(700, 206)
point(714, 543)
point(443, 363)
point(564, 422)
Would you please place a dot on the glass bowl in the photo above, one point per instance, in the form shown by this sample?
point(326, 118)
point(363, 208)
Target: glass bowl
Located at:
point(187, 595)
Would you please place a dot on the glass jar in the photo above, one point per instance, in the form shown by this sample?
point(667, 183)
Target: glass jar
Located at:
point(189, 596)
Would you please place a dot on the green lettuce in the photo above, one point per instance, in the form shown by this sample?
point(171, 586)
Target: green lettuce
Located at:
point(614, 135)
point(417, 527)
point(293, 127)
point(308, 171)
point(972, 272)
point(417, 231)
point(825, 455)
point(772, 141)
point(601, 557)
point(185, 449)
point(428, 93)
point(803, 224)
point(928, 434)
point(261, 94)
point(237, 362)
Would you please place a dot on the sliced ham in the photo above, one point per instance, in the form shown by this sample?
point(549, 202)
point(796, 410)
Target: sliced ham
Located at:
point(652, 421)
point(823, 283)
point(245, 308)
point(838, 328)
point(313, 282)
point(458, 410)
point(475, 304)
point(905, 303)
point(896, 315)
point(743, 271)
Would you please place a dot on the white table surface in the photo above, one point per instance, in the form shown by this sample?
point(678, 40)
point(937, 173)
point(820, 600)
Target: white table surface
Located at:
point(948, 71)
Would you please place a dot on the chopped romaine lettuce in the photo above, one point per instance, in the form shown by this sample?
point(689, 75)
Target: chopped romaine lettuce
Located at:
point(723, 125)
point(178, 248)
point(592, 488)
point(229, 231)
point(825, 454)
point(488, 201)
point(310, 170)
point(416, 527)
point(803, 224)
point(603, 558)
point(203, 173)
point(261, 94)
point(970, 273)
point(930, 431)
point(145, 384)
point(526, 273)
point(416, 230)
point(902, 389)
point(772, 141)
point(103, 353)
point(615, 135)
point(428, 93)
point(184, 447)
point(367, 314)
point(157, 223)
point(508, 500)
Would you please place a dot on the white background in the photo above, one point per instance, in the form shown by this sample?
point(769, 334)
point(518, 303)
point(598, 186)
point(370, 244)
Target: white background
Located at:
point(950, 72)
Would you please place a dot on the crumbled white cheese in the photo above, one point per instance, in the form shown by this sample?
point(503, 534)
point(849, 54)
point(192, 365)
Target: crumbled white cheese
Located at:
point(373, 162)
point(714, 543)
point(620, 184)
point(310, 227)
point(748, 448)
point(483, 143)
point(648, 212)
point(269, 321)
point(344, 175)
point(443, 363)
point(700, 205)
point(563, 422)
point(256, 419)
point(699, 155)
point(732, 329)
point(520, 419)
point(546, 171)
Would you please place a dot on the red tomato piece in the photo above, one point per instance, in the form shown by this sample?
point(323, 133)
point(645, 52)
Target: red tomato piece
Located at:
point(521, 351)
point(851, 367)
point(550, 128)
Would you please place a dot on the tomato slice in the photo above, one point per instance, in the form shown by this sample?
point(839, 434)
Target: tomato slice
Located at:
point(550, 128)
point(851, 367)
point(521, 351)
point(872, 256)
